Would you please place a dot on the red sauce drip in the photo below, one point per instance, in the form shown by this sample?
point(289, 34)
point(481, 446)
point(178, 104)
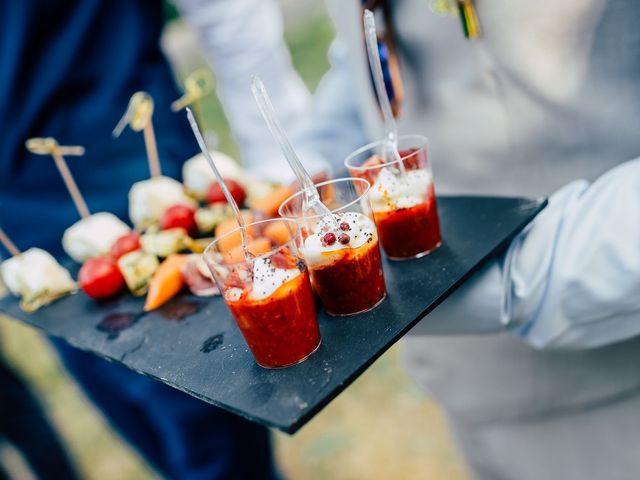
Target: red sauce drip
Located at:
point(352, 284)
point(281, 330)
point(407, 232)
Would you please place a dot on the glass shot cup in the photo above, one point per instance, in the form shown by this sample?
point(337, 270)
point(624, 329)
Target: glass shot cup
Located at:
point(269, 293)
point(403, 200)
point(343, 257)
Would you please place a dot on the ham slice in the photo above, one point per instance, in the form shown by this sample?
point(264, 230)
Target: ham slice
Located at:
point(198, 278)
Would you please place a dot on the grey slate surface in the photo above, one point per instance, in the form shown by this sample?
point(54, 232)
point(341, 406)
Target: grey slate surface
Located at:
point(194, 345)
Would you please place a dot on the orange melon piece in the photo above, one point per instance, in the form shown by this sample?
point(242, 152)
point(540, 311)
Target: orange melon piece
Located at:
point(230, 241)
point(166, 282)
point(256, 247)
point(270, 203)
point(278, 232)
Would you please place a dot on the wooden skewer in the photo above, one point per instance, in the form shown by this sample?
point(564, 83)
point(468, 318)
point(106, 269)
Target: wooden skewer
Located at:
point(76, 151)
point(152, 149)
point(191, 99)
point(138, 117)
point(79, 202)
point(49, 146)
point(8, 244)
point(184, 101)
point(197, 85)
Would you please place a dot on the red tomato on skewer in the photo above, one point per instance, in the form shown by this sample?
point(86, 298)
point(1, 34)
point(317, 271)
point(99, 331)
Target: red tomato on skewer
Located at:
point(100, 278)
point(129, 242)
point(237, 192)
point(179, 216)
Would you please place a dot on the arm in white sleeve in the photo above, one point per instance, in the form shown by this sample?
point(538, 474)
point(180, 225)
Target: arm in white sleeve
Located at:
point(334, 128)
point(243, 38)
point(570, 280)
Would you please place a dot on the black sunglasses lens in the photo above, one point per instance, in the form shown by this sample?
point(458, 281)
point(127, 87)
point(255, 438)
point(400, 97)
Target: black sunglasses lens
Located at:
point(383, 50)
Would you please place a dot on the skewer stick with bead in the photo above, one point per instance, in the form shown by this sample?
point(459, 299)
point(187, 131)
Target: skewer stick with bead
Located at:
point(197, 85)
point(49, 146)
point(138, 117)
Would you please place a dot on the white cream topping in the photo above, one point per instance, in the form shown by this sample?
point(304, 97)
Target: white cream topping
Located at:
point(93, 236)
point(361, 230)
point(35, 272)
point(393, 192)
point(267, 278)
point(198, 176)
point(233, 294)
point(149, 199)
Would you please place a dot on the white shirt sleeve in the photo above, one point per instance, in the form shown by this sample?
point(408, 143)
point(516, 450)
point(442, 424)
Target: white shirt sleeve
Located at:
point(574, 278)
point(334, 128)
point(570, 280)
point(243, 38)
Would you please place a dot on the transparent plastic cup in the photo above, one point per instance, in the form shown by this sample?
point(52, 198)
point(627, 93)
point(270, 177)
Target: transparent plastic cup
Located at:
point(403, 201)
point(269, 294)
point(345, 264)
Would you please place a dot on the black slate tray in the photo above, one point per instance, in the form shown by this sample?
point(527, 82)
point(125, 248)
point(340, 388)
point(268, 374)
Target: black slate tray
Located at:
point(194, 345)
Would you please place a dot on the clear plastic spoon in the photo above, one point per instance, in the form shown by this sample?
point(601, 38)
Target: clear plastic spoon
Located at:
point(227, 194)
point(311, 198)
point(390, 144)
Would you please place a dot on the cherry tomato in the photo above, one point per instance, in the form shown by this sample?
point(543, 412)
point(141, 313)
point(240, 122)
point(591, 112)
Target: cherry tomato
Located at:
point(129, 242)
point(237, 192)
point(100, 278)
point(180, 216)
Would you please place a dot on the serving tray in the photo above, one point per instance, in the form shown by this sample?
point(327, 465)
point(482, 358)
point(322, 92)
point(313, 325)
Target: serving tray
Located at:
point(193, 344)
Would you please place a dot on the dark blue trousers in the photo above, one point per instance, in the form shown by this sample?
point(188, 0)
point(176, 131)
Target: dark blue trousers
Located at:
point(180, 436)
point(24, 424)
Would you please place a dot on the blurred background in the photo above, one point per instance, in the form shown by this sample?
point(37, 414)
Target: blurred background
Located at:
point(382, 427)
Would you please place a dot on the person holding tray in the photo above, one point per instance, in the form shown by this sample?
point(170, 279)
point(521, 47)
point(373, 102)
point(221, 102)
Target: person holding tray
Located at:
point(519, 98)
point(70, 69)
